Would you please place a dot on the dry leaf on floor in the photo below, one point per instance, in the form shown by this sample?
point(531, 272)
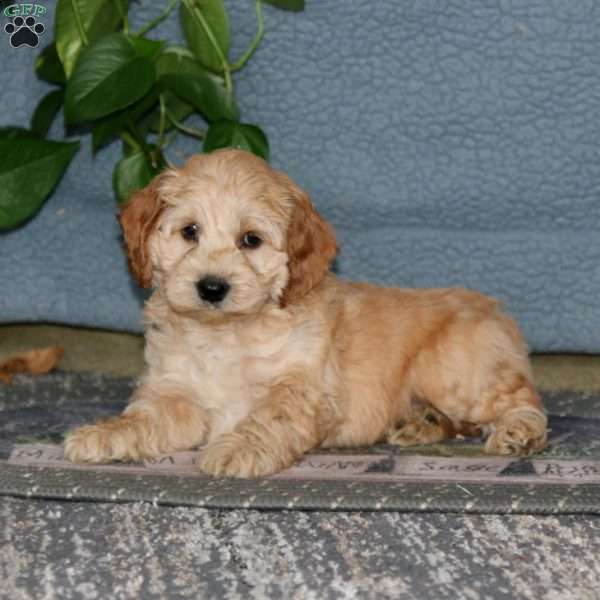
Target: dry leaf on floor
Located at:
point(34, 362)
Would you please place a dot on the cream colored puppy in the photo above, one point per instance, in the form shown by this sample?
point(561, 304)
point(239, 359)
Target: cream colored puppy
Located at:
point(257, 351)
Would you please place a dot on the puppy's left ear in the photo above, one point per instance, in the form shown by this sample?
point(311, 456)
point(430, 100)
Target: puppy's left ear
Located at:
point(138, 218)
point(311, 248)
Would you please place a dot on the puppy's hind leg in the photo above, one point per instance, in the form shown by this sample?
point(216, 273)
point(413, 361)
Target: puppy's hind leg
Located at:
point(428, 425)
point(153, 424)
point(510, 409)
point(520, 424)
point(477, 371)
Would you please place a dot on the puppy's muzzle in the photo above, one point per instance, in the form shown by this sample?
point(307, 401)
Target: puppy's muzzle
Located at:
point(212, 289)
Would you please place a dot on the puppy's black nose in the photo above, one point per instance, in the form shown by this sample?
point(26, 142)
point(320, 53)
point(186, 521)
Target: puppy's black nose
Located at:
point(212, 289)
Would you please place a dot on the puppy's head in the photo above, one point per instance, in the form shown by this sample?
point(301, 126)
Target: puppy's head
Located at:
point(226, 234)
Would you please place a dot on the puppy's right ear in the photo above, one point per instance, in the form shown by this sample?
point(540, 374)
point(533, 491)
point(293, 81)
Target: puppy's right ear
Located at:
point(138, 218)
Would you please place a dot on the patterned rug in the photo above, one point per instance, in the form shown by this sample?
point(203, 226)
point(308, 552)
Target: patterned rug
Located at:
point(450, 477)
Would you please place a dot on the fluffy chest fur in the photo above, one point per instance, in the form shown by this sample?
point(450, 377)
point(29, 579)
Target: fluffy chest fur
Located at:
point(229, 367)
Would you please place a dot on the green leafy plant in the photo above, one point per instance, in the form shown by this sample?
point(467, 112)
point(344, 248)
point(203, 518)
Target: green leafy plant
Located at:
point(122, 84)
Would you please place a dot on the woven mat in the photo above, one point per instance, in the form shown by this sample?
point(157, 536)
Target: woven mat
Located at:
point(452, 477)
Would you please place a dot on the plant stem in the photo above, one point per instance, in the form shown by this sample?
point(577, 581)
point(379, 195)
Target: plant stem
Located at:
point(162, 121)
point(191, 131)
point(158, 159)
point(138, 137)
point(79, 23)
point(123, 15)
point(169, 139)
point(128, 139)
point(197, 14)
point(260, 32)
point(152, 24)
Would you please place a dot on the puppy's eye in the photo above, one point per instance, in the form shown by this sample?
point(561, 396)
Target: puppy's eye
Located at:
point(250, 240)
point(190, 232)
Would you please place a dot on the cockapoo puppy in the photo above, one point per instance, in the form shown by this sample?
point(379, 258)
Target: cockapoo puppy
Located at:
point(257, 352)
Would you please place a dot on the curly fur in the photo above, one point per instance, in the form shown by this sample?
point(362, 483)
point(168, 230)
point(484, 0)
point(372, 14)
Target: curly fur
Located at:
point(294, 358)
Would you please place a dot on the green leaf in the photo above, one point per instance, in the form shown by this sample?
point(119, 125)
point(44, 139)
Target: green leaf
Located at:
point(173, 59)
point(182, 75)
point(214, 15)
point(46, 111)
point(12, 133)
point(293, 5)
point(179, 109)
point(109, 76)
point(48, 66)
point(109, 127)
point(98, 17)
point(230, 134)
point(146, 48)
point(107, 130)
point(29, 171)
point(132, 173)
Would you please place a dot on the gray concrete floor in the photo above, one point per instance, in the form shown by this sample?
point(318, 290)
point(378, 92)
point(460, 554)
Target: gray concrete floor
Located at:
point(139, 551)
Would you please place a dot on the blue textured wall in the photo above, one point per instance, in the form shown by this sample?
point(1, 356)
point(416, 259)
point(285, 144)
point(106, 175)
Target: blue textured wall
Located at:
point(450, 143)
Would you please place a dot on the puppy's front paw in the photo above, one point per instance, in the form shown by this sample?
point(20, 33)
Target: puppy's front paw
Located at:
point(89, 444)
point(117, 438)
point(231, 455)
